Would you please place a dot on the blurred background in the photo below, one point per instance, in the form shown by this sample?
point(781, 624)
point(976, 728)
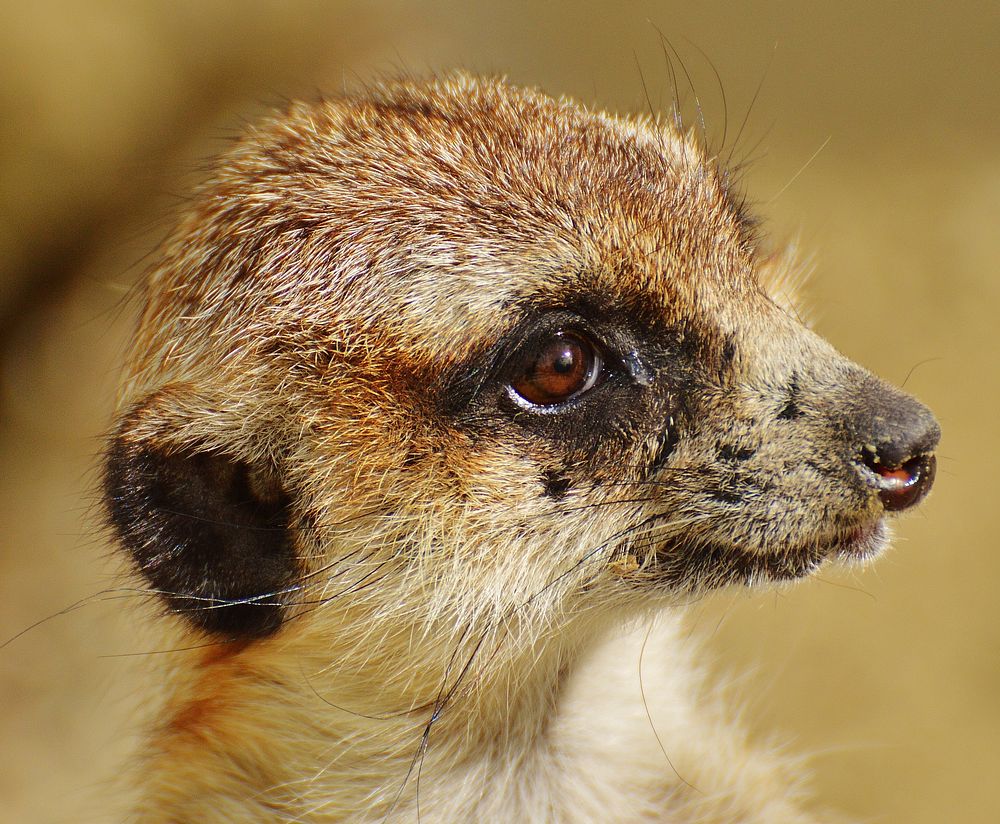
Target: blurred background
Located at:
point(876, 138)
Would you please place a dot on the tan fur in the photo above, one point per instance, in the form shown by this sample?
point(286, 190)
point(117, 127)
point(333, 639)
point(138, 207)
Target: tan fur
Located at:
point(454, 639)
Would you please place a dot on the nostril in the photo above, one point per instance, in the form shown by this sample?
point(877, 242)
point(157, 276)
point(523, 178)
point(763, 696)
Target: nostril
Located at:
point(903, 485)
point(896, 437)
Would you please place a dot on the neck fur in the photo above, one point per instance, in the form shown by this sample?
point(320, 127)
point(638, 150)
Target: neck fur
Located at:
point(311, 724)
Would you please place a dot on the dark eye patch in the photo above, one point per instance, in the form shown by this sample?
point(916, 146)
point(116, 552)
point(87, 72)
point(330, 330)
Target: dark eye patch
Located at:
point(501, 362)
point(639, 404)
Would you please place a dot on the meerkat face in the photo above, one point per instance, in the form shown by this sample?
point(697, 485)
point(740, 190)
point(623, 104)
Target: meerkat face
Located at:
point(460, 348)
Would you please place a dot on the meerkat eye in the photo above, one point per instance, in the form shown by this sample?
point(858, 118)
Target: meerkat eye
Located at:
point(557, 369)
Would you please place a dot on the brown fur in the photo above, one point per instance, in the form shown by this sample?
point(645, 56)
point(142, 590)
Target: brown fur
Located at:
point(327, 332)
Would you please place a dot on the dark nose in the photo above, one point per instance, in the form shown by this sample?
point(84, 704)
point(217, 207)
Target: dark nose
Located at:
point(897, 436)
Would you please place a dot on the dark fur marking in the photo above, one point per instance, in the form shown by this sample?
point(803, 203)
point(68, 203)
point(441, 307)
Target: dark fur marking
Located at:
point(242, 274)
point(726, 496)
point(557, 483)
point(732, 454)
point(664, 448)
point(790, 411)
point(728, 354)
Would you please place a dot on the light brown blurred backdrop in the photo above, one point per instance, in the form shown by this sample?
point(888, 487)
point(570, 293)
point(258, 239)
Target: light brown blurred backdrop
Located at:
point(890, 676)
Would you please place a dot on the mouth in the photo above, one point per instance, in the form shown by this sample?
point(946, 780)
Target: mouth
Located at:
point(714, 564)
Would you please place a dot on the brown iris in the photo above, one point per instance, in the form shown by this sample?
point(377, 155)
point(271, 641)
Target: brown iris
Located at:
point(559, 368)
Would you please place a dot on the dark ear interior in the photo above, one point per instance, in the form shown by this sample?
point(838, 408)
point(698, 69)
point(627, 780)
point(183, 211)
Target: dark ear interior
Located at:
point(208, 532)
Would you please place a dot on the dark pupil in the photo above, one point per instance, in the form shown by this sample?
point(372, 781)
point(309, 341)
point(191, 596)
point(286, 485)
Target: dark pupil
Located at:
point(565, 361)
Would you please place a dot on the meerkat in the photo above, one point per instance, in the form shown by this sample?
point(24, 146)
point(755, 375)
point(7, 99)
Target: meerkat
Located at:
point(439, 395)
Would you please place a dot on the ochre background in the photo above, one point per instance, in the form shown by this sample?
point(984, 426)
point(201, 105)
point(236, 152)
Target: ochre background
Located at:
point(889, 676)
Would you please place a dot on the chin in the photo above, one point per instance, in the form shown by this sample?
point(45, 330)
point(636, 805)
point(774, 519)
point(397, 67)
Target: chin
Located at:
point(863, 544)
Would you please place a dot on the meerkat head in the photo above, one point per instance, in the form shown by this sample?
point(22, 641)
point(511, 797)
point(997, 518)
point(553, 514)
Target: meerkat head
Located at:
point(458, 351)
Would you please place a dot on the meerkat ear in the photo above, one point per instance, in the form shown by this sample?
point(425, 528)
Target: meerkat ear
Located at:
point(209, 532)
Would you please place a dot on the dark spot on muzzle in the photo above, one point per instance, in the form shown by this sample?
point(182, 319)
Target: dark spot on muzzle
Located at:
point(556, 483)
point(791, 410)
point(665, 444)
point(732, 454)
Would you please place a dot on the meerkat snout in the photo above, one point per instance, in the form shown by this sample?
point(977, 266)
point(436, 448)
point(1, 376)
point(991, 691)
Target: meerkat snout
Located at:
point(435, 386)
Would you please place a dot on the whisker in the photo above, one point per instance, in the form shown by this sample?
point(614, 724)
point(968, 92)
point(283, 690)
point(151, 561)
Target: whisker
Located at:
point(753, 102)
point(802, 168)
point(649, 716)
point(722, 91)
point(916, 366)
point(665, 43)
